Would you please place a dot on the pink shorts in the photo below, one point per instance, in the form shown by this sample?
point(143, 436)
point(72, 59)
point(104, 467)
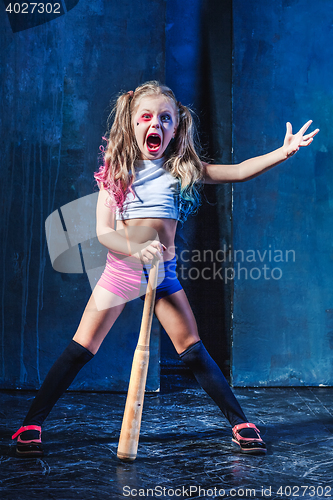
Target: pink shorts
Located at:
point(127, 277)
point(122, 276)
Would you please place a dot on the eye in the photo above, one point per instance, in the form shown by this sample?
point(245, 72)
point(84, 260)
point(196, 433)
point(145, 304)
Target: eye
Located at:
point(146, 116)
point(165, 118)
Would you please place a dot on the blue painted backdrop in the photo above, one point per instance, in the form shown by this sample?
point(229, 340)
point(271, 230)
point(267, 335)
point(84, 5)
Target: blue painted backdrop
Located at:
point(283, 327)
point(58, 79)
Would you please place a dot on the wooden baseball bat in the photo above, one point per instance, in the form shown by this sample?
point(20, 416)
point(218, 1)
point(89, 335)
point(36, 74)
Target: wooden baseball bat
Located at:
point(130, 429)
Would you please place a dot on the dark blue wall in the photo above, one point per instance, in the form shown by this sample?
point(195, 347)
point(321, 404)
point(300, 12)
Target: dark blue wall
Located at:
point(282, 72)
point(198, 69)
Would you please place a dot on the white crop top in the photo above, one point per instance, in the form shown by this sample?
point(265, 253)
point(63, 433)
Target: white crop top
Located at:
point(156, 193)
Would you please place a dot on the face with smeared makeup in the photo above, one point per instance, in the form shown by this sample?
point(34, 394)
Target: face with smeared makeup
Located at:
point(155, 124)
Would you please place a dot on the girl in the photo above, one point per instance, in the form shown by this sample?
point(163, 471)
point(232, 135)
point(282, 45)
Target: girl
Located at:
point(150, 179)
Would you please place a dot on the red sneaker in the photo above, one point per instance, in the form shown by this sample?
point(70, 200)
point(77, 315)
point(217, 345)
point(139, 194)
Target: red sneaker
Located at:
point(254, 446)
point(29, 448)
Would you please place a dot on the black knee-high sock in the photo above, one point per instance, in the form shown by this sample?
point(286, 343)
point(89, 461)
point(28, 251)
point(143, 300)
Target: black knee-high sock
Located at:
point(212, 380)
point(58, 379)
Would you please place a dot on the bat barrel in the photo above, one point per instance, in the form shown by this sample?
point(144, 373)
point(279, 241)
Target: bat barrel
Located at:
point(130, 429)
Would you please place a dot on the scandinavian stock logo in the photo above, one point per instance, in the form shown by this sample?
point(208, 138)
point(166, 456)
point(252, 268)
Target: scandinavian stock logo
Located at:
point(74, 247)
point(24, 15)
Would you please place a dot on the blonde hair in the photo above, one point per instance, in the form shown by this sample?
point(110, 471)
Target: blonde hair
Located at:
point(116, 173)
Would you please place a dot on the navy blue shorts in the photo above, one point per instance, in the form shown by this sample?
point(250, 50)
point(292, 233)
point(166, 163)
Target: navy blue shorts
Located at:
point(170, 284)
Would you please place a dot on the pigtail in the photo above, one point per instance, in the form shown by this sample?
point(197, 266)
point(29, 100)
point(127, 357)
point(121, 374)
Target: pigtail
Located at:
point(185, 163)
point(115, 173)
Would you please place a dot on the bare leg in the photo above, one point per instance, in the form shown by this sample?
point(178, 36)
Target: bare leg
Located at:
point(175, 315)
point(100, 314)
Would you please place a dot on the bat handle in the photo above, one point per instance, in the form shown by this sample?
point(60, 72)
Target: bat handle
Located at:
point(130, 429)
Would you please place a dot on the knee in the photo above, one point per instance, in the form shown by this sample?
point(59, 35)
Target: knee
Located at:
point(91, 346)
point(196, 356)
point(184, 344)
point(191, 347)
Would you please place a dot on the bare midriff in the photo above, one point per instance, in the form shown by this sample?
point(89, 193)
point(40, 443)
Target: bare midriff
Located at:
point(165, 229)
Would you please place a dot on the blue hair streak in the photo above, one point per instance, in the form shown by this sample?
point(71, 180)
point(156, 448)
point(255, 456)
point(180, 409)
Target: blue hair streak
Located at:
point(190, 200)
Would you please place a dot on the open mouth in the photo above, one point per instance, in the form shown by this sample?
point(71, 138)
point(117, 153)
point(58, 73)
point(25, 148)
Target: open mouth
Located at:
point(153, 142)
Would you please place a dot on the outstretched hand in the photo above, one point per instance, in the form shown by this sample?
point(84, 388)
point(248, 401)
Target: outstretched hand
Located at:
point(292, 143)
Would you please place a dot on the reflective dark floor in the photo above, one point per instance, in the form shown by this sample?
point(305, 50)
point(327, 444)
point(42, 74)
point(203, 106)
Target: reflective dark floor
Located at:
point(185, 447)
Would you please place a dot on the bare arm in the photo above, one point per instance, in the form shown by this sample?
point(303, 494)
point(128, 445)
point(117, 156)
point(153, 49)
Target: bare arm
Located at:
point(126, 242)
point(215, 174)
